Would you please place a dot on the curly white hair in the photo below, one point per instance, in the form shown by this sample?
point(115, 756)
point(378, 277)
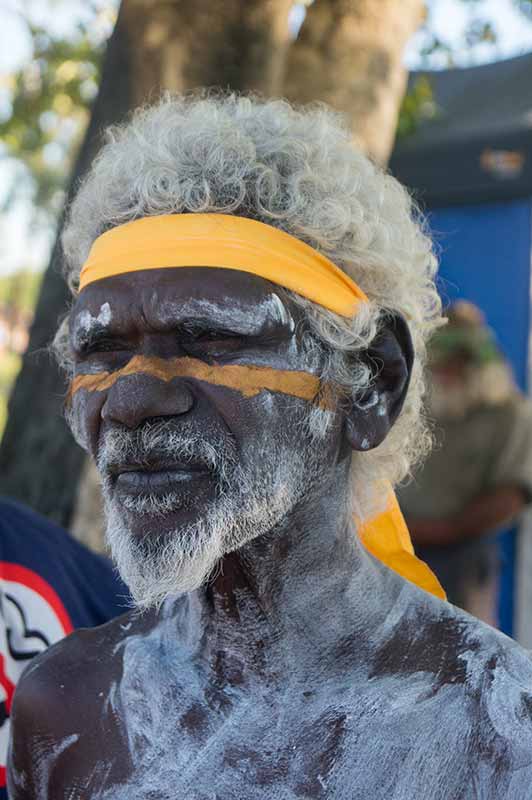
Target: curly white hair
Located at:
point(295, 169)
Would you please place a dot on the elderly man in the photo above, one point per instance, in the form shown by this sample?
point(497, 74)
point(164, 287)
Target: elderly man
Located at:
point(246, 349)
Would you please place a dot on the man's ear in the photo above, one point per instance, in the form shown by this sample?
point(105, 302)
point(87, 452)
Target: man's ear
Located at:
point(390, 357)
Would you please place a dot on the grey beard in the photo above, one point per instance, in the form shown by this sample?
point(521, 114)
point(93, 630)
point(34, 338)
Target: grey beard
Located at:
point(254, 496)
point(163, 439)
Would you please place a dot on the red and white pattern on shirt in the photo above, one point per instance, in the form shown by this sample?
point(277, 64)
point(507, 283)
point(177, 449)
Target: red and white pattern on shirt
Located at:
point(32, 618)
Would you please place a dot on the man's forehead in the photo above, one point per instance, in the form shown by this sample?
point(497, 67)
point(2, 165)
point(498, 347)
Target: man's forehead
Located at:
point(168, 296)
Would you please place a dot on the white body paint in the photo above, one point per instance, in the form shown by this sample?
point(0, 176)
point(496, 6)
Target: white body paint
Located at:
point(342, 729)
point(403, 740)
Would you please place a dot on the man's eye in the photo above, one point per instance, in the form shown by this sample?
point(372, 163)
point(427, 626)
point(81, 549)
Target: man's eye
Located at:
point(101, 346)
point(211, 341)
point(215, 336)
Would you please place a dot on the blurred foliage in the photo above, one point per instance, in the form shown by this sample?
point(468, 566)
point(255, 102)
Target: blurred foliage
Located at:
point(47, 109)
point(10, 364)
point(478, 30)
point(18, 295)
point(419, 104)
point(18, 291)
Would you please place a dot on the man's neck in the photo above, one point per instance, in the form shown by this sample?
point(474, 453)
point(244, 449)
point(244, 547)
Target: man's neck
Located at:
point(283, 603)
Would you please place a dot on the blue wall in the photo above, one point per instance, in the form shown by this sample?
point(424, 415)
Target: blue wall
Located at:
point(485, 256)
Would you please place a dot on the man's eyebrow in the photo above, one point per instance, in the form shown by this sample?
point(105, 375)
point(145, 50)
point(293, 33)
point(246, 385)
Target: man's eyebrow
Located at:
point(234, 317)
point(203, 323)
point(85, 336)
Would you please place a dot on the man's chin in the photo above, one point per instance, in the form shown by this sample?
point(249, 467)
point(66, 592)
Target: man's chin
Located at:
point(151, 590)
point(164, 561)
point(164, 547)
point(154, 524)
point(154, 516)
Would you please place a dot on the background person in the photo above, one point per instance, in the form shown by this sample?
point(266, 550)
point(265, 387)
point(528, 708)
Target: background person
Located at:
point(50, 585)
point(478, 477)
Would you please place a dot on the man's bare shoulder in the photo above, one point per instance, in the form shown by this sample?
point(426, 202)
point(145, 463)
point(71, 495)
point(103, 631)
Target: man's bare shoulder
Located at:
point(455, 693)
point(424, 634)
point(78, 667)
point(61, 703)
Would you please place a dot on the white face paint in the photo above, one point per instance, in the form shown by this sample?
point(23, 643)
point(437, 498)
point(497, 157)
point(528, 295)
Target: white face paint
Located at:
point(235, 315)
point(87, 322)
point(253, 493)
point(84, 324)
point(382, 408)
point(283, 315)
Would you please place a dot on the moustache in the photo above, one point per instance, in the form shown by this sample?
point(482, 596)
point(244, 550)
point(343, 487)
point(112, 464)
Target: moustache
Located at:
point(166, 443)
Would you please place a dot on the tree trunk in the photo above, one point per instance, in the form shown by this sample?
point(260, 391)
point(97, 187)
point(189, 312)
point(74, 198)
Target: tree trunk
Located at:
point(349, 54)
point(181, 45)
point(40, 463)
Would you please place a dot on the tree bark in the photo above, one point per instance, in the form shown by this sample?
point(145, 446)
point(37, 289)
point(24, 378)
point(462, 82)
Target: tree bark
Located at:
point(181, 45)
point(40, 463)
point(349, 54)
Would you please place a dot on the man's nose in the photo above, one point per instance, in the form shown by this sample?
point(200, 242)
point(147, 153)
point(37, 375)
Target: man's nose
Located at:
point(136, 398)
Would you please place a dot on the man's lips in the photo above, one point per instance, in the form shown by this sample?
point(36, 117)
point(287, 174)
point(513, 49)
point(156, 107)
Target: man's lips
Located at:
point(156, 478)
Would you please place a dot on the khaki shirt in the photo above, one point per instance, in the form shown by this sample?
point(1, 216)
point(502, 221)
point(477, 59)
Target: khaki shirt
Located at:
point(489, 448)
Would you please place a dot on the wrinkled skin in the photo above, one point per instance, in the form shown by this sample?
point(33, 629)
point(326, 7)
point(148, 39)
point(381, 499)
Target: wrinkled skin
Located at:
point(303, 668)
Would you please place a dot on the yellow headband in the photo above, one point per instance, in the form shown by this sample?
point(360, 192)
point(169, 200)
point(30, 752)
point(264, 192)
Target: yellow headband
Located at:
point(225, 242)
point(238, 243)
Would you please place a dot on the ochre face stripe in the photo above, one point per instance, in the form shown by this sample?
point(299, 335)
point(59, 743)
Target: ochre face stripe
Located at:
point(249, 381)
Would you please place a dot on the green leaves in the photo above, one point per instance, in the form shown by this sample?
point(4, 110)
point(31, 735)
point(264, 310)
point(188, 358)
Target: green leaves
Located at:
point(470, 37)
point(418, 105)
point(49, 102)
